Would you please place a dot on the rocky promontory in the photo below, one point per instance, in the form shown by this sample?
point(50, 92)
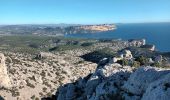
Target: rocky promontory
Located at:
point(114, 81)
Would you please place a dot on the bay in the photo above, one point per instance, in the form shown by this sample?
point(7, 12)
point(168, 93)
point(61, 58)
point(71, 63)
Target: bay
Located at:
point(154, 33)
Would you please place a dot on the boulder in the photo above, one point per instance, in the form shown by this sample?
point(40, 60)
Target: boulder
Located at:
point(139, 81)
point(126, 54)
point(103, 61)
point(158, 59)
point(43, 55)
point(158, 90)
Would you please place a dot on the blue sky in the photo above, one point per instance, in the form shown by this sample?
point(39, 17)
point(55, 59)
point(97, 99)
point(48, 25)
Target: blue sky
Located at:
point(83, 11)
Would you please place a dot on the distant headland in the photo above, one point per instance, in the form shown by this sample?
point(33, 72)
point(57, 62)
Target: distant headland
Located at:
point(55, 29)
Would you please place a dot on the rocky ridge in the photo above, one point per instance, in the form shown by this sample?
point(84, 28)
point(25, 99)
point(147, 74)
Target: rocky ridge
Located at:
point(116, 82)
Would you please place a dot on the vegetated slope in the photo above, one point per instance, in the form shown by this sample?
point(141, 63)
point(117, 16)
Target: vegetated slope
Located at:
point(54, 29)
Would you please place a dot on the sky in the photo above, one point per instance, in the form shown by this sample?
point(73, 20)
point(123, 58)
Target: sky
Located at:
point(83, 11)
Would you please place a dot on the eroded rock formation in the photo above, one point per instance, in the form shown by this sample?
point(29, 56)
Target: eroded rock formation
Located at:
point(117, 82)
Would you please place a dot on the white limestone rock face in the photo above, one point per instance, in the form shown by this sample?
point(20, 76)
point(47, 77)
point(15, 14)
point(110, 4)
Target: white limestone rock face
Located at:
point(106, 80)
point(139, 81)
point(4, 78)
point(158, 90)
point(116, 82)
point(126, 54)
point(137, 43)
point(158, 59)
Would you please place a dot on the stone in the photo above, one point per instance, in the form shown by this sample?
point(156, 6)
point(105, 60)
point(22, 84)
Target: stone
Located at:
point(8, 59)
point(139, 80)
point(43, 55)
point(151, 61)
point(126, 54)
point(137, 43)
point(115, 59)
point(106, 80)
point(158, 90)
point(103, 61)
point(158, 59)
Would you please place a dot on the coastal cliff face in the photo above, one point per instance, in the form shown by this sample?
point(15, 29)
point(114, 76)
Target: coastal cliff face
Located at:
point(89, 28)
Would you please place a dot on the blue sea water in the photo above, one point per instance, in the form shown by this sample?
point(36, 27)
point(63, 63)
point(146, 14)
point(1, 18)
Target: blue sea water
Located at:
point(154, 33)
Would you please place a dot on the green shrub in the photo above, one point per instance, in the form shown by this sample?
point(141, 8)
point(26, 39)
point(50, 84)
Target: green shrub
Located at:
point(86, 44)
point(125, 62)
point(157, 64)
point(143, 60)
point(135, 64)
point(33, 97)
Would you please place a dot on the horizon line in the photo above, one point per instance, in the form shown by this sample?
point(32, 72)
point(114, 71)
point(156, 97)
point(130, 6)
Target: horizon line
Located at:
point(82, 24)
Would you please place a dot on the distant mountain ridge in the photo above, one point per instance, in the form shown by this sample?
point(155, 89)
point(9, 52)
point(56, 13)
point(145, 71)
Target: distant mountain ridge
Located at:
point(54, 29)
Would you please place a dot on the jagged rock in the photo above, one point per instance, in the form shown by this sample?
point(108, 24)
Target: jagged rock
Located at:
point(111, 78)
point(158, 90)
point(151, 61)
point(137, 43)
point(116, 59)
point(126, 54)
point(4, 78)
point(139, 80)
point(105, 81)
point(43, 55)
point(114, 81)
point(158, 59)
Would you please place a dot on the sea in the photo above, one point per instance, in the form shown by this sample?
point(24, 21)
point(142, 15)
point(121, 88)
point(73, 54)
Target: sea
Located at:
point(154, 33)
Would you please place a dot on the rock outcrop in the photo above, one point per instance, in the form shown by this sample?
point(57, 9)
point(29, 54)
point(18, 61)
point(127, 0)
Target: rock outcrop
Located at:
point(149, 47)
point(139, 81)
point(137, 43)
point(4, 78)
point(105, 81)
point(116, 82)
point(126, 54)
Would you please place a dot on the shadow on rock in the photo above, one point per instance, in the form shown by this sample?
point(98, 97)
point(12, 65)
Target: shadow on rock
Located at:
point(1, 98)
point(104, 84)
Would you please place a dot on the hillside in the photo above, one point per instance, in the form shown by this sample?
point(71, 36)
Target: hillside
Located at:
point(54, 29)
point(47, 68)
